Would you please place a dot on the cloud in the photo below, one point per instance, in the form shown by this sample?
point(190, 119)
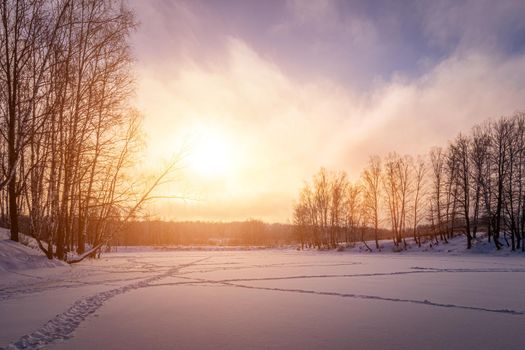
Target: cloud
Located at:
point(457, 93)
point(284, 130)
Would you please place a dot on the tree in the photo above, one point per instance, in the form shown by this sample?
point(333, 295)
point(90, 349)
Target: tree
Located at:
point(338, 186)
point(420, 171)
point(500, 137)
point(27, 35)
point(479, 161)
point(70, 132)
point(459, 154)
point(371, 179)
point(353, 213)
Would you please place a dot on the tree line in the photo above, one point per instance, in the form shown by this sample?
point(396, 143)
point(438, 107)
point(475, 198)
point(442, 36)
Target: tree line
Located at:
point(68, 132)
point(475, 187)
point(170, 233)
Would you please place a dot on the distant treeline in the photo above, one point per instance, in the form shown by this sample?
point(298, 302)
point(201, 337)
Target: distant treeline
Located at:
point(476, 183)
point(250, 232)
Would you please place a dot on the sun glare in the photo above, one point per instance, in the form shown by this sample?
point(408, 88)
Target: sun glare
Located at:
point(211, 153)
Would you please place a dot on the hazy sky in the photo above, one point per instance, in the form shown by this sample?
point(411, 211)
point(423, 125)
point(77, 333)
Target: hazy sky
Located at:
point(263, 93)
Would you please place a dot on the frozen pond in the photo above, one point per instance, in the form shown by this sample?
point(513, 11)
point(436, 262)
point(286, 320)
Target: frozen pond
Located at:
point(271, 299)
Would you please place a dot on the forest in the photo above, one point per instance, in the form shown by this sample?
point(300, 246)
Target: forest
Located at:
point(475, 187)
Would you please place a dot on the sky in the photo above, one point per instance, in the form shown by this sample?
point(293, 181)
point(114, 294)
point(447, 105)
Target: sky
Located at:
point(261, 94)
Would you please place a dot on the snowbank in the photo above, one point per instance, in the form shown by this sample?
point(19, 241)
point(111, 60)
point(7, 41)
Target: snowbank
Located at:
point(17, 256)
point(455, 246)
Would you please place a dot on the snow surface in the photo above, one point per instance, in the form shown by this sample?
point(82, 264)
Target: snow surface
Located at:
point(272, 299)
point(15, 256)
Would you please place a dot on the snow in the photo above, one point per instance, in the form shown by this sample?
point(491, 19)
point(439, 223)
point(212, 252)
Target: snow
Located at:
point(455, 246)
point(273, 299)
point(16, 256)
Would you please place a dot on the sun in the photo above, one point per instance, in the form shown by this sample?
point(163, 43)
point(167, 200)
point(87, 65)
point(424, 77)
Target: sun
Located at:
point(211, 153)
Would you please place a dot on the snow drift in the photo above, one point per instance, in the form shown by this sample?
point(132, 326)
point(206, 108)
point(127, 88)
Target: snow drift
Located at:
point(17, 256)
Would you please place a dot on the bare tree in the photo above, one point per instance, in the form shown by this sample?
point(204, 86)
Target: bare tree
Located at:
point(460, 156)
point(27, 33)
point(420, 171)
point(397, 183)
point(338, 186)
point(69, 130)
point(371, 180)
point(353, 204)
point(437, 161)
point(478, 159)
point(501, 135)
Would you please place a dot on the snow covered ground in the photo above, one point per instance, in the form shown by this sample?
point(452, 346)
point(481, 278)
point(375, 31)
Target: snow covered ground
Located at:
point(15, 256)
point(271, 299)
